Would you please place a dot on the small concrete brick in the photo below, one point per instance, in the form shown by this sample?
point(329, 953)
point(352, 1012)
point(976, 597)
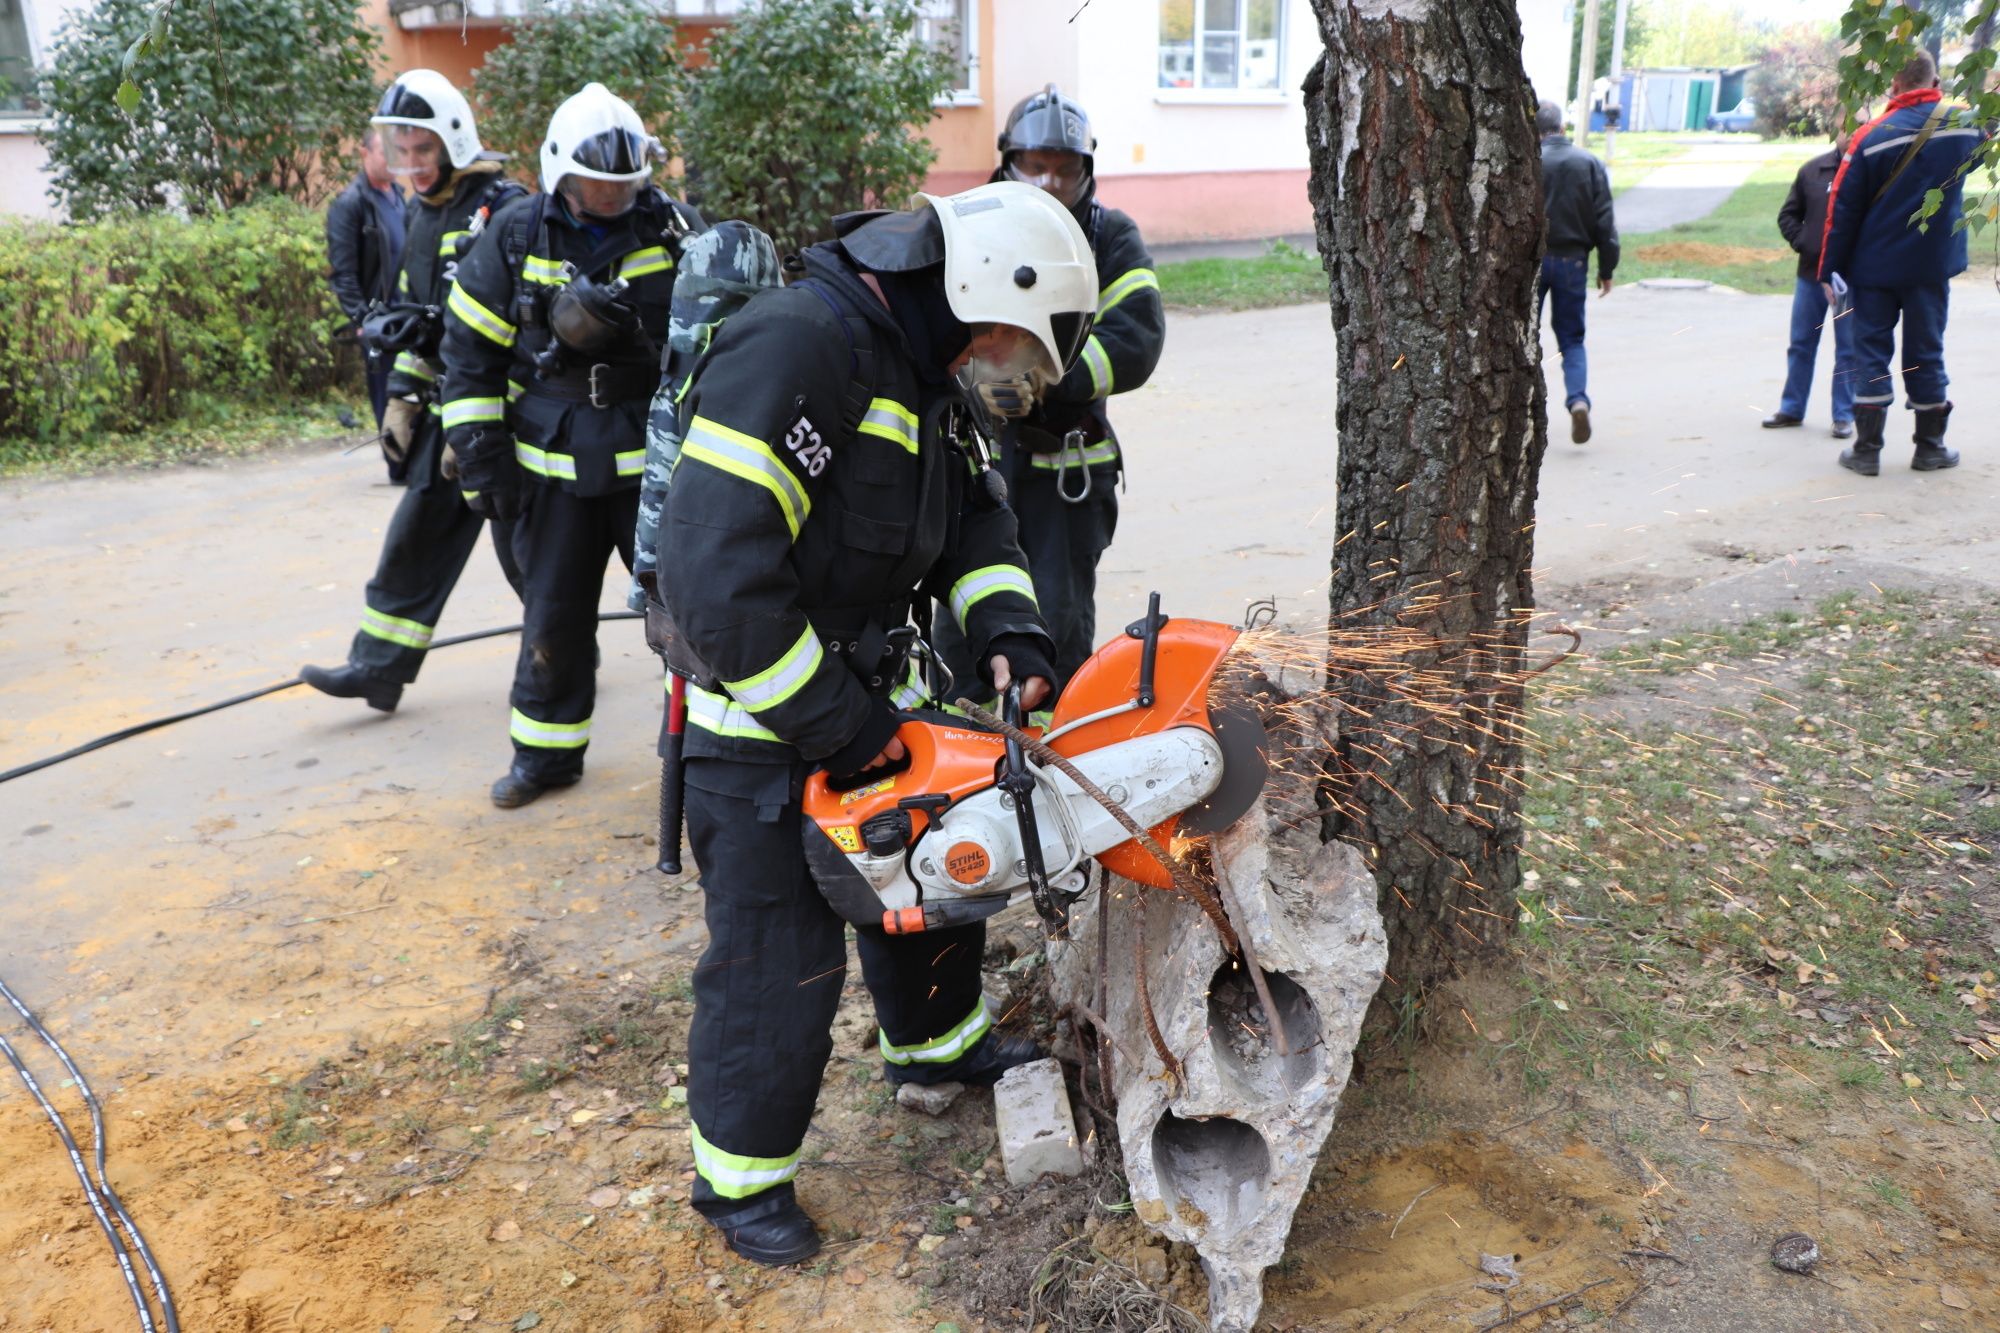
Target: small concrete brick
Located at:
point(1037, 1130)
point(931, 1099)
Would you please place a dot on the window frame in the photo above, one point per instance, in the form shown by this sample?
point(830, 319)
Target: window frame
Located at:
point(968, 95)
point(1197, 94)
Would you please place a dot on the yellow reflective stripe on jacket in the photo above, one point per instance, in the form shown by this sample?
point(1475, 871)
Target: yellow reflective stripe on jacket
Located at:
point(751, 459)
point(409, 633)
point(549, 735)
point(1100, 366)
point(736, 1177)
point(714, 712)
point(1131, 282)
point(545, 464)
point(548, 272)
point(448, 243)
point(783, 678)
point(892, 421)
point(911, 691)
point(409, 363)
point(479, 317)
point(942, 1050)
point(463, 411)
point(652, 259)
point(515, 390)
point(980, 584)
point(630, 464)
point(1104, 451)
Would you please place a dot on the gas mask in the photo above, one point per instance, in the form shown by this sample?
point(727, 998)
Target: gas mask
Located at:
point(585, 318)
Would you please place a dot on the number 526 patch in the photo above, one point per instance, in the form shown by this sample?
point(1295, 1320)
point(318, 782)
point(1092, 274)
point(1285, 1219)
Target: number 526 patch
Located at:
point(812, 451)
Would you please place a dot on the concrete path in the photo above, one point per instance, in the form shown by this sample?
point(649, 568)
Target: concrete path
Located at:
point(1692, 187)
point(128, 596)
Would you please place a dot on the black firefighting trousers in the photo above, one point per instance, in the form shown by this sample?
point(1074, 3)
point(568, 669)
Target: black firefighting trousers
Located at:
point(429, 540)
point(770, 981)
point(562, 542)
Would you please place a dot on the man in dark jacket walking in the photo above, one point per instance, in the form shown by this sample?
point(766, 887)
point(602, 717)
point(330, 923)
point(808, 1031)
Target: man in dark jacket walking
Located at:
point(1893, 270)
point(364, 249)
point(1576, 199)
point(1803, 222)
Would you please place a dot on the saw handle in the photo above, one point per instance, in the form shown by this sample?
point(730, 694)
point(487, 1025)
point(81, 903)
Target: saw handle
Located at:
point(1019, 782)
point(1147, 631)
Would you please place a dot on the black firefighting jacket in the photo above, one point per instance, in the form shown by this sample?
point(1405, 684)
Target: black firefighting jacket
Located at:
point(584, 428)
point(789, 544)
point(430, 260)
point(1118, 357)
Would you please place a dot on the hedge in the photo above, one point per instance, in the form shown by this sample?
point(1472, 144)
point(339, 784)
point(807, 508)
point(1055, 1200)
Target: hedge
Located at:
point(124, 324)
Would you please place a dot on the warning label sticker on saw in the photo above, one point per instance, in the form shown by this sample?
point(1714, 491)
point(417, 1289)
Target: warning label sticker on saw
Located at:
point(863, 793)
point(846, 837)
point(966, 862)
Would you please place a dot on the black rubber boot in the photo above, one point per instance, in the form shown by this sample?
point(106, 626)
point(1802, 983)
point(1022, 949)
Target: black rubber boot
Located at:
point(1865, 456)
point(353, 682)
point(981, 1066)
point(771, 1229)
point(518, 789)
point(1931, 454)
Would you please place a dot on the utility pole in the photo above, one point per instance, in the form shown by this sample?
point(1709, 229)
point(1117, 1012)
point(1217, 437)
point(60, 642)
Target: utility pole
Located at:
point(1617, 69)
point(1586, 72)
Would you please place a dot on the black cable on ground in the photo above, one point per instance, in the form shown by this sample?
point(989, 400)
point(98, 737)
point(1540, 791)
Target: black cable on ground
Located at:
point(141, 728)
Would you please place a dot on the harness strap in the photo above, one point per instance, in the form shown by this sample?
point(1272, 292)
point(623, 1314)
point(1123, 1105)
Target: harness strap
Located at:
point(1931, 123)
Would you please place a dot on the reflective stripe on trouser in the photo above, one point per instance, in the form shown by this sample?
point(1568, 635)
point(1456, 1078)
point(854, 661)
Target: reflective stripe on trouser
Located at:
point(736, 1177)
point(424, 552)
point(562, 541)
point(768, 985)
point(963, 1036)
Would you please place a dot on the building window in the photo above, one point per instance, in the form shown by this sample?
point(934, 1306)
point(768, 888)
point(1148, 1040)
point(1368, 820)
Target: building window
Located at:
point(17, 63)
point(1221, 44)
point(953, 26)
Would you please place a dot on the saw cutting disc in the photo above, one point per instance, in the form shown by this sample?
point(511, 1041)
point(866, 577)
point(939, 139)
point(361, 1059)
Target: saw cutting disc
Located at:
point(1240, 733)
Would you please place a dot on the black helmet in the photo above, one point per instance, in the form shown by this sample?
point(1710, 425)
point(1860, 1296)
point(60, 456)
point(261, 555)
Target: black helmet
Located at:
point(1050, 121)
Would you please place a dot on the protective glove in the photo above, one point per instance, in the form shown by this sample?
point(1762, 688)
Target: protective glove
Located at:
point(1010, 398)
point(448, 462)
point(499, 502)
point(399, 426)
point(488, 476)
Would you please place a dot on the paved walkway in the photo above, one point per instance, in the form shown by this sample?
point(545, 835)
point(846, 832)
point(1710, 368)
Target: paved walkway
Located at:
point(1687, 190)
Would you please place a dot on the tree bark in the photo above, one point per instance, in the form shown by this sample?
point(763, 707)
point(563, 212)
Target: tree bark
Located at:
point(1427, 195)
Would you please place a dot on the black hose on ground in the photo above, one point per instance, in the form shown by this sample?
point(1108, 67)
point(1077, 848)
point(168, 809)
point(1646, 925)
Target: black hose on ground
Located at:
point(104, 1201)
point(142, 728)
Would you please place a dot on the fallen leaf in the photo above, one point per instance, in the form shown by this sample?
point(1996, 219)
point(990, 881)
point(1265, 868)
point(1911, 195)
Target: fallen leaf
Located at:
point(1805, 972)
point(1911, 1080)
point(607, 1197)
point(467, 1315)
point(855, 1276)
point(642, 1197)
point(929, 1243)
point(236, 1124)
point(1753, 1069)
point(1953, 1297)
point(964, 1223)
point(568, 1279)
point(583, 1117)
point(506, 1231)
point(527, 1321)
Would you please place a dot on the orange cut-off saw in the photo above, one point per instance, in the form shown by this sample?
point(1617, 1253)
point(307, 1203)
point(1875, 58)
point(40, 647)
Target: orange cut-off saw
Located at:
point(970, 824)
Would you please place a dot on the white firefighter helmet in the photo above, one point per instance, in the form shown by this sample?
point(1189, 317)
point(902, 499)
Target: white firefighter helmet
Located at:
point(596, 135)
point(424, 99)
point(1014, 255)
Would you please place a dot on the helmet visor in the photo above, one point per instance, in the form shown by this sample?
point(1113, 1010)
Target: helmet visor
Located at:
point(399, 103)
point(598, 199)
point(1060, 172)
point(417, 155)
point(1071, 327)
point(615, 153)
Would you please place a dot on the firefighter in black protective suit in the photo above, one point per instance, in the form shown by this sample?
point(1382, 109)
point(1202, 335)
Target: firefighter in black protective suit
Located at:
point(1061, 459)
point(567, 296)
point(432, 145)
point(821, 491)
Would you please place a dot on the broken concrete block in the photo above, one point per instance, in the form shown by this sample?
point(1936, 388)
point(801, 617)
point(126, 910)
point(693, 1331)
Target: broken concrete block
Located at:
point(1037, 1132)
point(931, 1099)
point(1220, 1160)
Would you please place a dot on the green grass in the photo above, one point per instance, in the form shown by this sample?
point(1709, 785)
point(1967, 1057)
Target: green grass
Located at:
point(215, 429)
point(1748, 220)
point(1284, 276)
point(1791, 880)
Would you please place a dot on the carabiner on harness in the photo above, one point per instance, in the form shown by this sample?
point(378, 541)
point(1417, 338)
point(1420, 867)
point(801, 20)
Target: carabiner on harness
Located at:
point(1073, 440)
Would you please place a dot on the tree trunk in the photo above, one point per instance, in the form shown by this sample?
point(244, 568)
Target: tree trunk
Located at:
point(1427, 196)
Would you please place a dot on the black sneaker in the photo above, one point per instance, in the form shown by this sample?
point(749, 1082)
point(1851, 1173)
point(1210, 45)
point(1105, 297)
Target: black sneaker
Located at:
point(772, 1230)
point(353, 682)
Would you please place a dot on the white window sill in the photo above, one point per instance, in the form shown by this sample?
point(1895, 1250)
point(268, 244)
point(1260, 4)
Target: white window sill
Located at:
point(1221, 96)
point(950, 100)
point(22, 124)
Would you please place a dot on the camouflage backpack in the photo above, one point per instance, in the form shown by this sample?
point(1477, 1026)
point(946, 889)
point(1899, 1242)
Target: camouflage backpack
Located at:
point(720, 270)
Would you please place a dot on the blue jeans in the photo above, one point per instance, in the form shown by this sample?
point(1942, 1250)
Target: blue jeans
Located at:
point(1808, 318)
point(1922, 307)
point(1567, 283)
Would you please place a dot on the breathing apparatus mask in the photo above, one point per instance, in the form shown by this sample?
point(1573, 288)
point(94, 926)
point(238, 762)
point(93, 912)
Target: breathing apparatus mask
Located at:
point(585, 317)
point(403, 327)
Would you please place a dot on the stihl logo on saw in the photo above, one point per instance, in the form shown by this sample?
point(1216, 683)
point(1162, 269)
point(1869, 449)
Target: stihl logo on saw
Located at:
point(963, 832)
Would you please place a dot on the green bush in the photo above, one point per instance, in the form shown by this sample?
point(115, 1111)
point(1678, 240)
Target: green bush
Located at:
point(809, 108)
point(623, 44)
point(122, 324)
point(245, 98)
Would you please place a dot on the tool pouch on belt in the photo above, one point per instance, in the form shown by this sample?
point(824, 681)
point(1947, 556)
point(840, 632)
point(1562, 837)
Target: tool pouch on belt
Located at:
point(664, 637)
